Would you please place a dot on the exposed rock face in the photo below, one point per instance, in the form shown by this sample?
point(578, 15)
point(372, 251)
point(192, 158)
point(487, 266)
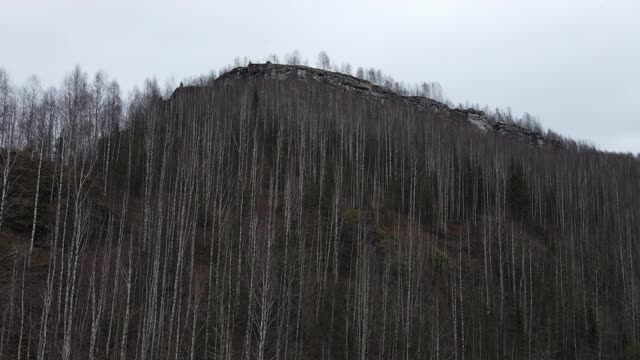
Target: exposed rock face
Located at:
point(366, 88)
point(516, 131)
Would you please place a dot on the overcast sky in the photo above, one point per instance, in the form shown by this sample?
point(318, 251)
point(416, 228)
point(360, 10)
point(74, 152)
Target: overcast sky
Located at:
point(574, 64)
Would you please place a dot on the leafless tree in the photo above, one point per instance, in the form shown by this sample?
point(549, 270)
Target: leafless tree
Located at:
point(323, 61)
point(8, 126)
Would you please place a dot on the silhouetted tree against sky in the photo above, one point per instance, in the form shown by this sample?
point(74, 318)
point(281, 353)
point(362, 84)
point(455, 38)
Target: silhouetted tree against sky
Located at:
point(323, 61)
point(293, 58)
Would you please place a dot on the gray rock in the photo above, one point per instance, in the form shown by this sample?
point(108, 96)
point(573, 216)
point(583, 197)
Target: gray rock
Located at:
point(345, 82)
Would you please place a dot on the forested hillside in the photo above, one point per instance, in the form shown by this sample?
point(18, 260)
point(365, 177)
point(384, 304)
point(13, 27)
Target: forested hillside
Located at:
point(271, 216)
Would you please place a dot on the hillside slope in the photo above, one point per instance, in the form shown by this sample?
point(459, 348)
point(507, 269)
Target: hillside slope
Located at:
point(287, 212)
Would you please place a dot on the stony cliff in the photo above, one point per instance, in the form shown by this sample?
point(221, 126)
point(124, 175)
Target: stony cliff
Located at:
point(366, 88)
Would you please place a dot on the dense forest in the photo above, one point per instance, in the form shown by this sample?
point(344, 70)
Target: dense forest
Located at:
point(285, 219)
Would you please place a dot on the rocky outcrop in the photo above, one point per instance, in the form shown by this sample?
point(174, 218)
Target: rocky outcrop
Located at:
point(516, 131)
point(345, 82)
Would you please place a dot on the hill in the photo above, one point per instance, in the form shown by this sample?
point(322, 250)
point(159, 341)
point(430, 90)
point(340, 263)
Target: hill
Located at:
point(289, 212)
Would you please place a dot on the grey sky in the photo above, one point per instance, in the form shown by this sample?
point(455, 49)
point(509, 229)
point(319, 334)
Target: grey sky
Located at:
point(574, 64)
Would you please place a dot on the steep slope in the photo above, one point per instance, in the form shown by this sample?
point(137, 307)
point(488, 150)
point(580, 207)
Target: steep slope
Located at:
point(355, 85)
point(286, 212)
